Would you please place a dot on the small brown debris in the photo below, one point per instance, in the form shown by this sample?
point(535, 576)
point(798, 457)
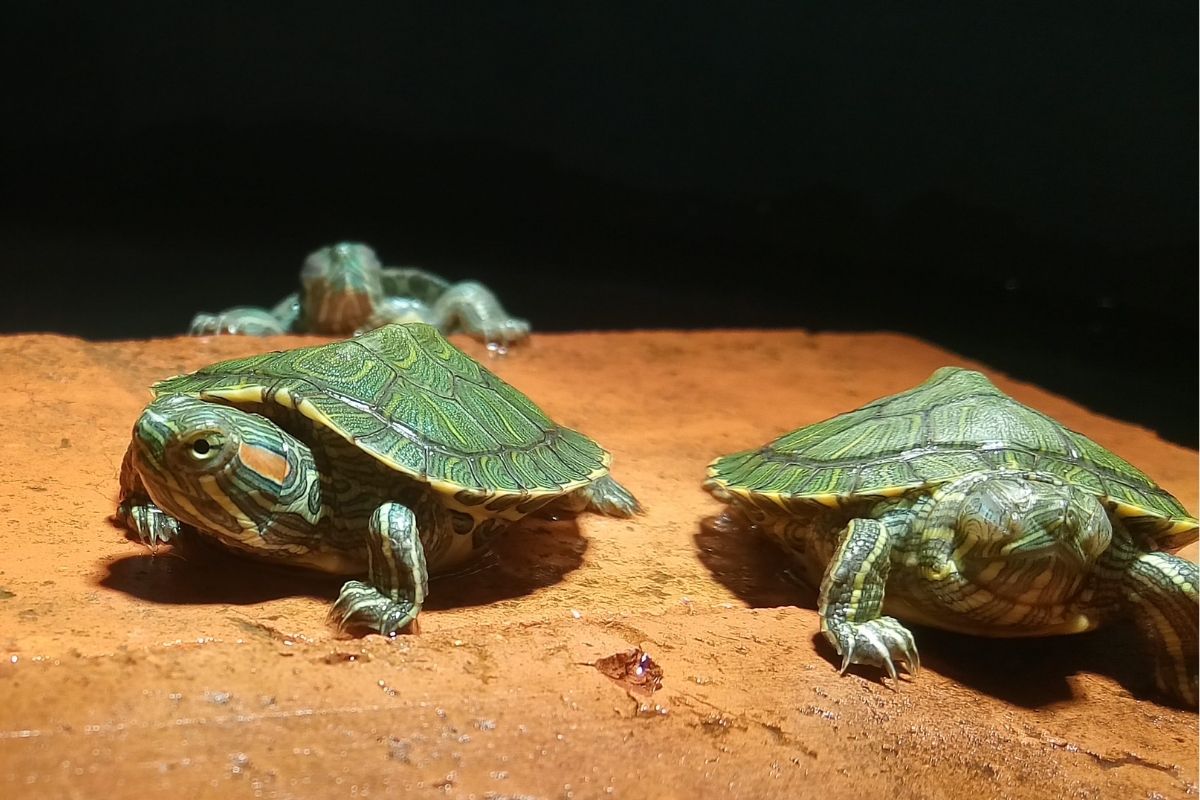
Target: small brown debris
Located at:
point(634, 668)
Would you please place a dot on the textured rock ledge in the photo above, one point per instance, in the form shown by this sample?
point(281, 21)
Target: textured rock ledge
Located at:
point(212, 677)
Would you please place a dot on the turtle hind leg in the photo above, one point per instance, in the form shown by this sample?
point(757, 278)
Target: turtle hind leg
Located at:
point(602, 496)
point(398, 578)
point(851, 602)
point(1161, 592)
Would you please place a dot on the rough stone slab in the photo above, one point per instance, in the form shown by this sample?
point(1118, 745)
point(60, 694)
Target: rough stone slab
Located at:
point(211, 676)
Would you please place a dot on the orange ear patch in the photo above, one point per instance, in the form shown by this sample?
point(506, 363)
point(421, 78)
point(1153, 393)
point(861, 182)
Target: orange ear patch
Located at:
point(267, 463)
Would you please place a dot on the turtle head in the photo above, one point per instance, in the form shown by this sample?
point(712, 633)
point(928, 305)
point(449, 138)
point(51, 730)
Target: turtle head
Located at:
point(342, 287)
point(220, 469)
point(1016, 516)
point(182, 435)
point(1029, 537)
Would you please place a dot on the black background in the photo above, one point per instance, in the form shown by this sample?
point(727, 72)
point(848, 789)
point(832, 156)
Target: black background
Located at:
point(1015, 182)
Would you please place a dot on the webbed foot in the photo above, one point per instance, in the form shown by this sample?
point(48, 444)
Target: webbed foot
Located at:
point(362, 606)
point(851, 600)
point(504, 334)
point(245, 320)
point(879, 642)
point(399, 580)
point(152, 525)
point(472, 308)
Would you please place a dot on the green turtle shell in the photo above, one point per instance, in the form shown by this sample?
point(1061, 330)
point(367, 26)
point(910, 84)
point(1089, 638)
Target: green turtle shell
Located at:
point(414, 401)
point(953, 424)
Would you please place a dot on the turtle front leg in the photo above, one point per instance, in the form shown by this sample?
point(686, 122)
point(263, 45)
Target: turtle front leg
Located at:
point(851, 602)
point(287, 313)
point(472, 308)
point(250, 320)
point(138, 513)
point(398, 579)
point(1161, 591)
point(243, 320)
point(152, 525)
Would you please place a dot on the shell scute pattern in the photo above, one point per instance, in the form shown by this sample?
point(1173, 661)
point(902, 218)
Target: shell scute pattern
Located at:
point(1010, 458)
point(407, 396)
point(955, 423)
point(954, 506)
point(506, 429)
point(523, 463)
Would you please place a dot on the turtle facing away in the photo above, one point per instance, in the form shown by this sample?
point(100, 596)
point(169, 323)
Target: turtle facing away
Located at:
point(389, 455)
point(955, 506)
point(344, 290)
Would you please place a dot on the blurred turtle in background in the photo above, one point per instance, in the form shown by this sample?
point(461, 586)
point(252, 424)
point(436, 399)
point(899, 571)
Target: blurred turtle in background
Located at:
point(345, 290)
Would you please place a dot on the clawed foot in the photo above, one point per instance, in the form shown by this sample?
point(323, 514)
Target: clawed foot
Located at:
point(503, 335)
point(243, 320)
point(152, 526)
point(878, 642)
point(362, 606)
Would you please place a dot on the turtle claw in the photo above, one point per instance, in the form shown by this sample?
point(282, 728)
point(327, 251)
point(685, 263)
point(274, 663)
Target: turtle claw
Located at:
point(362, 606)
point(499, 338)
point(152, 526)
point(877, 642)
point(241, 320)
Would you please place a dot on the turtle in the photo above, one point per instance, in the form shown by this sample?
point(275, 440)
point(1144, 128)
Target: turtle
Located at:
point(344, 289)
point(954, 506)
point(391, 455)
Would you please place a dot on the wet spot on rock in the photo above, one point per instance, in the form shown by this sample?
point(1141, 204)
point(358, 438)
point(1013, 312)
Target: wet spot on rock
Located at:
point(343, 657)
point(398, 750)
point(633, 668)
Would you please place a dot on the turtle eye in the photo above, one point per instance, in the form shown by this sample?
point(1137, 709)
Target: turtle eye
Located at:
point(204, 446)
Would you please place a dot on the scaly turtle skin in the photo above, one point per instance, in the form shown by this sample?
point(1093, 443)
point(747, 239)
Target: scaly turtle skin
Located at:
point(392, 455)
point(345, 290)
point(953, 505)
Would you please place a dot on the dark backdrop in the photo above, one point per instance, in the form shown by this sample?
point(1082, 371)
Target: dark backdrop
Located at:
point(1014, 182)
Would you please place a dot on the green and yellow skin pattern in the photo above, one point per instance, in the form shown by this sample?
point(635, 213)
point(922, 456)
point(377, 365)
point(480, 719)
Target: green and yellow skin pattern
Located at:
point(391, 456)
point(345, 290)
point(953, 505)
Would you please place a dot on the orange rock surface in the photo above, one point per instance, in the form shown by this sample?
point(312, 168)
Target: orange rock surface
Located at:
point(206, 675)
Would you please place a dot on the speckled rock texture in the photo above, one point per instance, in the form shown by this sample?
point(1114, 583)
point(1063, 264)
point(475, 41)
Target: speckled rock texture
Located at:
point(197, 674)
